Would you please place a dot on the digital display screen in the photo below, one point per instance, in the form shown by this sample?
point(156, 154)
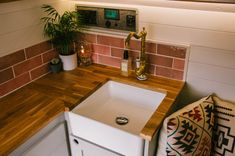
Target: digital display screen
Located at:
point(112, 14)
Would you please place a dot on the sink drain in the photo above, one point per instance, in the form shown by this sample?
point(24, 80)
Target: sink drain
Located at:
point(121, 120)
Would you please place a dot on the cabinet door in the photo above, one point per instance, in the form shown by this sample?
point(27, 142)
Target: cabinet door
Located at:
point(75, 146)
point(53, 144)
point(81, 147)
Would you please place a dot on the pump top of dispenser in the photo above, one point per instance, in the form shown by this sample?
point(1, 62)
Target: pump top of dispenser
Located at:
point(125, 55)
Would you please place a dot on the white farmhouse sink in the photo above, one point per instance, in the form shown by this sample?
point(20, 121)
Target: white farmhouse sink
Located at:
point(95, 118)
point(115, 99)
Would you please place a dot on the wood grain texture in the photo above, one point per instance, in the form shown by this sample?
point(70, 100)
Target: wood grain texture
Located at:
point(7, 1)
point(27, 110)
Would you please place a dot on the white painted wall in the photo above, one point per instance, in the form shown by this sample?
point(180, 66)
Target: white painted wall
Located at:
point(20, 23)
point(210, 71)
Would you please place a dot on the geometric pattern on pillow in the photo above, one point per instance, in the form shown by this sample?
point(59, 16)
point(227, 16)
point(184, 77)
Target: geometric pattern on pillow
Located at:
point(224, 132)
point(189, 132)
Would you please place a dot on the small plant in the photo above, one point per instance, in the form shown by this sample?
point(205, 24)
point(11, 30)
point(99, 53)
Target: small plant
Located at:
point(61, 29)
point(55, 65)
point(55, 61)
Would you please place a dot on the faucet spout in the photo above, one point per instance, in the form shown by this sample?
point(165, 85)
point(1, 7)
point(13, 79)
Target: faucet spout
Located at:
point(141, 71)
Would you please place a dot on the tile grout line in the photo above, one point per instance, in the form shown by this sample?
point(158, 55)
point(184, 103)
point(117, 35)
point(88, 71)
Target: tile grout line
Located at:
point(9, 79)
point(13, 71)
point(168, 67)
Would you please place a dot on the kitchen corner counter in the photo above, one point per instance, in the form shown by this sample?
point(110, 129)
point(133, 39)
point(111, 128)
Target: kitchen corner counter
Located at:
point(24, 112)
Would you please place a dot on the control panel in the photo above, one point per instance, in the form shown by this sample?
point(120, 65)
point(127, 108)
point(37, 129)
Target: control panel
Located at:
point(108, 18)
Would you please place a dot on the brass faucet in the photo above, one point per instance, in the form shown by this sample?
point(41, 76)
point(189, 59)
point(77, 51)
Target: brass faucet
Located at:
point(141, 70)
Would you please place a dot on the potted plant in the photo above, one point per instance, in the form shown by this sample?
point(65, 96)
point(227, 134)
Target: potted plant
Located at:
point(55, 65)
point(62, 30)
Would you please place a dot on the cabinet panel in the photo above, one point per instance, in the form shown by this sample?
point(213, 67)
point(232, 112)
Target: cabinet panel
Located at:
point(81, 147)
point(53, 144)
point(50, 141)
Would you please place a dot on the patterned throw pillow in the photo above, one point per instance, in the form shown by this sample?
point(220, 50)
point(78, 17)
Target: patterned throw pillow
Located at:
point(188, 131)
point(224, 134)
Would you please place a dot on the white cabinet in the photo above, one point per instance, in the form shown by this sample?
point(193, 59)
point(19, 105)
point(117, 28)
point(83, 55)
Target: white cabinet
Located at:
point(53, 144)
point(104, 135)
point(50, 141)
point(80, 147)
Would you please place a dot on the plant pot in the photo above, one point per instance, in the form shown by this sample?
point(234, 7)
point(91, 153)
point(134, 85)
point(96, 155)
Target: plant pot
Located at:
point(69, 62)
point(56, 68)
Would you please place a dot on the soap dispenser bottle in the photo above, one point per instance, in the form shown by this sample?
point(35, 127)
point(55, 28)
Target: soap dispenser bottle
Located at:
point(125, 64)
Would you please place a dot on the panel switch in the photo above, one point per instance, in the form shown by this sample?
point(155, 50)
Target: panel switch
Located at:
point(130, 21)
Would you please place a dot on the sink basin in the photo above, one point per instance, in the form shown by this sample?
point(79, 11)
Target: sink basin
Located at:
point(115, 99)
point(94, 119)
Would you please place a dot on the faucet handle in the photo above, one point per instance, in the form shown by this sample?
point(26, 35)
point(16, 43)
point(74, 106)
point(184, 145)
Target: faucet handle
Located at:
point(143, 32)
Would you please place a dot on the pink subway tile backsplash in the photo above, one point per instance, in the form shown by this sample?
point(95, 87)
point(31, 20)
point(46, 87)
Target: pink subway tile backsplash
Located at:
point(160, 60)
point(101, 49)
point(14, 83)
point(23, 66)
point(15, 68)
point(11, 59)
point(91, 38)
point(151, 47)
point(110, 41)
point(178, 64)
point(114, 62)
point(151, 69)
point(47, 56)
point(134, 54)
point(173, 51)
point(38, 49)
point(27, 65)
point(169, 73)
point(94, 58)
point(42, 70)
point(163, 60)
point(117, 52)
point(6, 75)
point(135, 45)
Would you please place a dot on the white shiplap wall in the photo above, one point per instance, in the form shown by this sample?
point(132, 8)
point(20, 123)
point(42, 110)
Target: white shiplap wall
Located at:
point(210, 71)
point(20, 23)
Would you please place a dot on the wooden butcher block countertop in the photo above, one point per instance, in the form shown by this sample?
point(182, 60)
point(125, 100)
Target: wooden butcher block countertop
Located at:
point(24, 112)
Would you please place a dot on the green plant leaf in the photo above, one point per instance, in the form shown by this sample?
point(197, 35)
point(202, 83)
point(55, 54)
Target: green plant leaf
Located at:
point(61, 29)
